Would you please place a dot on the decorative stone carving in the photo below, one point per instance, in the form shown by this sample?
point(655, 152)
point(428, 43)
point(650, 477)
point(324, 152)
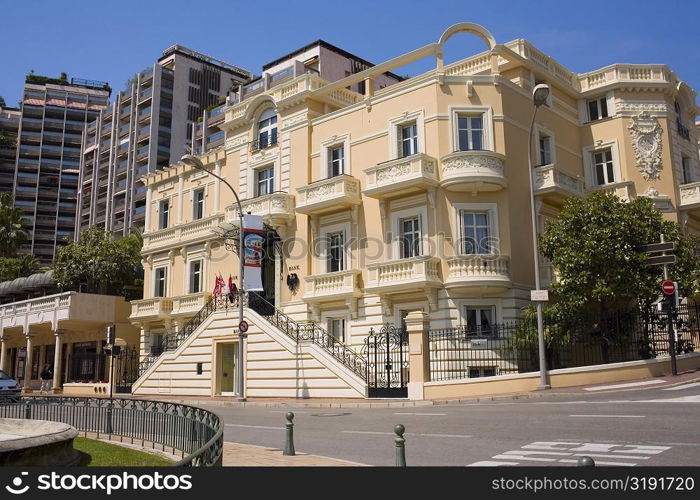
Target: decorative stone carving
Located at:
point(393, 171)
point(472, 163)
point(320, 192)
point(646, 142)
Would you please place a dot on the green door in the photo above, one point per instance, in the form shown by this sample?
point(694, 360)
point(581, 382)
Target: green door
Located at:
point(228, 367)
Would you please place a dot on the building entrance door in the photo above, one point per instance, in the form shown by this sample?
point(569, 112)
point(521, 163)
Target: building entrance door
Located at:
point(227, 368)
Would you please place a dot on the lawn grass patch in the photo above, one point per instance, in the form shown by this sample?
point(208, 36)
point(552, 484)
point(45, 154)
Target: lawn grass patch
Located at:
point(98, 453)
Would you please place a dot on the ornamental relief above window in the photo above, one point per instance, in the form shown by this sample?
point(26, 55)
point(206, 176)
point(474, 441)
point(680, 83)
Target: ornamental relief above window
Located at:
point(646, 141)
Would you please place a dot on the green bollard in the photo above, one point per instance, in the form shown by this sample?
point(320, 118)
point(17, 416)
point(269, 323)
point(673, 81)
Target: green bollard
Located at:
point(585, 462)
point(400, 445)
point(108, 424)
point(289, 434)
point(27, 411)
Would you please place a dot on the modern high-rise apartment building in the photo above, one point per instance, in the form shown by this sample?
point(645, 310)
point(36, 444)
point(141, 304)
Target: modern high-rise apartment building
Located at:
point(148, 127)
point(9, 127)
point(44, 182)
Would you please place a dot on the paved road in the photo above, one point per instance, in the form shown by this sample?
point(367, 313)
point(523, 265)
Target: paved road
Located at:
point(653, 425)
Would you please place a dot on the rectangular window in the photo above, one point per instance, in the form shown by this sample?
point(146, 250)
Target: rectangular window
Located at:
point(336, 329)
point(409, 237)
point(470, 132)
point(198, 204)
point(476, 232)
point(598, 109)
point(336, 161)
point(687, 173)
point(408, 139)
point(265, 182)
point(336, 253)
point(196, 276)
point(603, 164)
point(480, 321)
point(545, 149)
point(164, 209)
point(161, 282)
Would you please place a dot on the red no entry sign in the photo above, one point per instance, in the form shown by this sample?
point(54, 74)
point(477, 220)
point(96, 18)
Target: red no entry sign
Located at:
point(243, 326)
point(668, 287)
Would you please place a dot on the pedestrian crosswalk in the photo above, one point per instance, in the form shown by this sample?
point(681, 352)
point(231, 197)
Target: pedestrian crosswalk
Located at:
point(568, 452)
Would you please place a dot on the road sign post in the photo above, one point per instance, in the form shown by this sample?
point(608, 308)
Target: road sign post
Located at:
point(670, 290)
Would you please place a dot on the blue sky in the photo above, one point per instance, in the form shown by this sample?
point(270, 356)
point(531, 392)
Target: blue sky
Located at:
point(111, 41)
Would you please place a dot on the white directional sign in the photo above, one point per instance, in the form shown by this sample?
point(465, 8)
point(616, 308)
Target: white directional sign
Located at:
point(539, 295)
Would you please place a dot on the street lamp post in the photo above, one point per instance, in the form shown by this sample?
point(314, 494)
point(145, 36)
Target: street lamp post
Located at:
point(195, 162)
point(539, 97)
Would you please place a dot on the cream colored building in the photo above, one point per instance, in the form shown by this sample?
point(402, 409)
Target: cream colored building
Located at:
point(410, 197)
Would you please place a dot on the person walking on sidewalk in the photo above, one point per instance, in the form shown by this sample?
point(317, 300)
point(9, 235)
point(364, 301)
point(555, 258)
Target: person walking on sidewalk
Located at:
point(46, 378)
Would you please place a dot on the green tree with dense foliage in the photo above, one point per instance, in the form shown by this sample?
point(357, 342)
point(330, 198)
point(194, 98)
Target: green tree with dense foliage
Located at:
point(12, 234)
point(17, 267)
point(594, 244)
point(98, 263)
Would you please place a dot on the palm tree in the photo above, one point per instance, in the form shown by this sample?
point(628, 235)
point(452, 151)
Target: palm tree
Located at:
point(12, 234)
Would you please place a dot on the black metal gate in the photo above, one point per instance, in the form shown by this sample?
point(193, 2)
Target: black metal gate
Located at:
point(126, 370)
point(387, 362)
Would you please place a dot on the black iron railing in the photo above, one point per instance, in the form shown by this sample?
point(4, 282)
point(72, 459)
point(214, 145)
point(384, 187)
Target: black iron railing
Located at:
point(194, 434)
point(264, 142)
point(309, 332)
point(499, 349)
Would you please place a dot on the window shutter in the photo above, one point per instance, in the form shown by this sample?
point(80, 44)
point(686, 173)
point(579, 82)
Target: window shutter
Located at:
point(610, 101)
point(399, 142)
point(423, 235)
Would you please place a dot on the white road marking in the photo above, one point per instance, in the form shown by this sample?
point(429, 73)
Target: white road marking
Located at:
point(569, 452)
point(610, 416)
point(443, 435)
point(426, 414)
point(411, 434)
point(599, 462)
point(680, 387)
point(256, 427)
point(285, 411)
point(369, 432)
point(684, 399)
point(491, 463)
point(622, 386)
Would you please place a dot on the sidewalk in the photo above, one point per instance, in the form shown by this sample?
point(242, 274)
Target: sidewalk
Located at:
point(248, 455)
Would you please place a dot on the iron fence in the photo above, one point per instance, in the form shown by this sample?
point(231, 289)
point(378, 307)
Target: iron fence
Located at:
point(505, 348)
point(194, 434)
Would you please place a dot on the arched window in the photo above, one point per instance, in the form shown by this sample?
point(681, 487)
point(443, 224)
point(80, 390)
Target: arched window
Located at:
point(267, 129)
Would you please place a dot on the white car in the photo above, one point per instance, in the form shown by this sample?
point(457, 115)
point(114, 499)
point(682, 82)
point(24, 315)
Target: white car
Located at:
point(9, 388)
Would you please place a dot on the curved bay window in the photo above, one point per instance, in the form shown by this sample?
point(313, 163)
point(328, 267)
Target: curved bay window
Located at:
point(267, 130)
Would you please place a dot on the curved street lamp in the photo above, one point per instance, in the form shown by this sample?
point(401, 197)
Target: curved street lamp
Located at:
point(195, 162)
point(539, 96)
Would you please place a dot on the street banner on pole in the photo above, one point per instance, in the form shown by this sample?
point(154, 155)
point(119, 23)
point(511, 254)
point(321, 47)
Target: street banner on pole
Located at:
point(253, 239)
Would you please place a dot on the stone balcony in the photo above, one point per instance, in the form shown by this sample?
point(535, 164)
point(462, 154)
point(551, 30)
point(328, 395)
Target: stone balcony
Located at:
point(330, 287)
point(483, 273)
point(342, 191)
point(190, 304)
point(690, 197)
point(275, 208)
point(401, 275)
point(401, 176)
point(624, 190)
point(553, 184)
point(201, 229)
point(156, 308)
point(68, 309)
point(473, 171)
